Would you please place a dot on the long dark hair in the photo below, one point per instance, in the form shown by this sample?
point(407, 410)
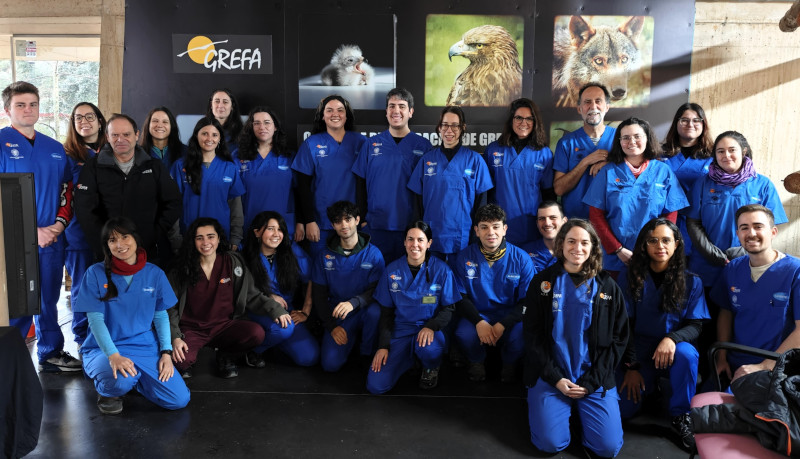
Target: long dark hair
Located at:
point(248, 144)
point(187, 268)
point(700, 150)
point(75, 146)
point(121, 225)
point(651, 151)
point(425, 228)
point(233, 124)
point(736, 136)
point(674, 286)
point(537, 138)
point(287, 270)
point(193, 162)
point(319, 124)
point(174, 145)
point(594, 263)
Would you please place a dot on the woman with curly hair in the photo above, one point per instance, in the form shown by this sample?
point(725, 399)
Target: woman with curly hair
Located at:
point(666, 310)
point(576, 330)
point(281, 270)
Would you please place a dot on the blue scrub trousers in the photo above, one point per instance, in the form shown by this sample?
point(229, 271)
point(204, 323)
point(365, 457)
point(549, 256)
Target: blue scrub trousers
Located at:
point(549, 412)
point(511, 343)
point(171, 394)
point(682, 377)
point(274, 334)
point(401, 358)
point(390, 243)
point(333, 356)
point(50, 340)
point(295, 341)
point(77, 262)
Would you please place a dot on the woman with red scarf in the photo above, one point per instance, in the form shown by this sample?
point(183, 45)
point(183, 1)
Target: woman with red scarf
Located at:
point(123, 298)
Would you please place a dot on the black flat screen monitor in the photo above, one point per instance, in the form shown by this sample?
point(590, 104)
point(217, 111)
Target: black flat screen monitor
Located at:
point(20, 238)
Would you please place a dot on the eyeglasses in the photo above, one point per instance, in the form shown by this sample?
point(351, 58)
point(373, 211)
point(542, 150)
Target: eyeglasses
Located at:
point(687, 121)
point(444, 127)
point(520, 119)
point(89, 117)
point(628, 138)
point(654, 241)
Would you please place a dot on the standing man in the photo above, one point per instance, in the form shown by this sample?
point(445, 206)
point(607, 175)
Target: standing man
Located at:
point(582, 153)
point(758, 295)
point(383, 168)
point(493, 276)
point(549, 219)
point(123, 180)
point(22, 149)
point(344, 277)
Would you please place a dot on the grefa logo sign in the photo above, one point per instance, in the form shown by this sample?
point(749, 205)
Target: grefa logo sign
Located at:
point(242, 54)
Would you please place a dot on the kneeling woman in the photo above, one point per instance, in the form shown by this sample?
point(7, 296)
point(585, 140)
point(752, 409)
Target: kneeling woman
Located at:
point(417, 295)
point(666, 307)
point(576, 330)
point(215, 292)
point(281, 270)
point(123, 298)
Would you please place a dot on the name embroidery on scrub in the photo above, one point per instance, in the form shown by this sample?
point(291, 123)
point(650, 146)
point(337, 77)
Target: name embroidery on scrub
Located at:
point(661, 185)
point(472, 272)
point(430, 168)
point(469, 172)
point(147, 171)
point(283, 168)
point(418, 152)
point(435, 287)
point(56, 156)
point(539, 166)
point(227, 179)
point(225, 280)
point(148, 289)
point(394, 286)
point(781, 296)
point(366, 265)
point(322, 152)
point(497, 161)
point(328, 263)
point(755, 198)
point(512, 277)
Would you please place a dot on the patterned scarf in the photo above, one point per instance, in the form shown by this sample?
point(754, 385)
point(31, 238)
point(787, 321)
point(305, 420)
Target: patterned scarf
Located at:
point(718, 175)
point(491, 257)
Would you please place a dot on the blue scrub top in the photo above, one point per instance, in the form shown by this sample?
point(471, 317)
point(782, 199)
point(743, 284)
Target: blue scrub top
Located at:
point(540, 254)
point(269, 185)
point(329, 163)
point(495, 289)
point(715, 206)
point(649, 321)
point(518, 183)
point(386, 166)
point(345, 276)
point(572, 317)
point(570, 150)
point(221, 183)
point(51, 171)
point(415, 299)
point(764, 312)
point(448, 191)
point(629, 202)
point(76, 240)
point(688, 171)
point(303, 262)
point(129, 316)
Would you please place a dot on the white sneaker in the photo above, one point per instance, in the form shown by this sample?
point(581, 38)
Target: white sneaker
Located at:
point(60, 362)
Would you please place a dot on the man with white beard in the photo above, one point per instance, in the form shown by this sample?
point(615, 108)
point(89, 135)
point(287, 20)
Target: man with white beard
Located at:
point(580, 154)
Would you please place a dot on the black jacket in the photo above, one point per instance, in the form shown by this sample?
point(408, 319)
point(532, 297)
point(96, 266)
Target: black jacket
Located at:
point(768, 406)
point(608, 333)
point(147, 195)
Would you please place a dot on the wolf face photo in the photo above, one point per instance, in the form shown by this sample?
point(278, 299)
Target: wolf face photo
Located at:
point(614, 51)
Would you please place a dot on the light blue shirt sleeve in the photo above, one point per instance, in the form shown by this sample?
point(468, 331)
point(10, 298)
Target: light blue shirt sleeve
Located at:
point(97, 323)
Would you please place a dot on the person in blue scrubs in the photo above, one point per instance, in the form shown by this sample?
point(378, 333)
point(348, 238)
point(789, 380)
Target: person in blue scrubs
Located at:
point(581, 154)
point(576, 331)
point(265, 165)
point(85, 136)
point(24, 150)
point(281, 270)
point(417, 294)
point(323, 163)
point(382, 169)
point(223, 107)
point(209, 181)
point(630, 191)
point(758, 295)
point(666, 309)
point(549, 219)
point(493, 276)
point(161, 137)
point(521, 167)
point(452, 182)
point(687, 150)
point(732, 182)
point(124, 298)
point(344, 277)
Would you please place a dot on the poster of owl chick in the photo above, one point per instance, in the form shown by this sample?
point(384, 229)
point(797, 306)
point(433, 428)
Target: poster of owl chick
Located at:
point(348, 67)
point(493, 76)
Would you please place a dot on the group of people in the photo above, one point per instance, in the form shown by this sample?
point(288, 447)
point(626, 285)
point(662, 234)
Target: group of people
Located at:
point(596, 266)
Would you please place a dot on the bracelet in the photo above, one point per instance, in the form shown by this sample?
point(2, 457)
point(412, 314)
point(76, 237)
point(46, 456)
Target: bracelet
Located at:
point(304, 313)
point(165, 351)
point(618, 250)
